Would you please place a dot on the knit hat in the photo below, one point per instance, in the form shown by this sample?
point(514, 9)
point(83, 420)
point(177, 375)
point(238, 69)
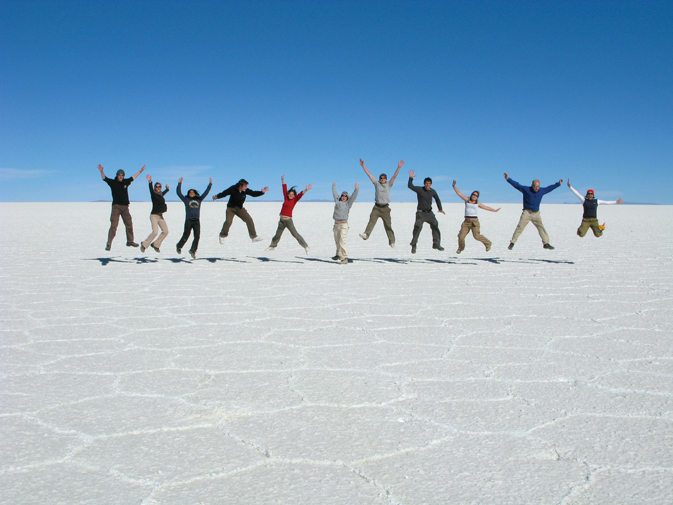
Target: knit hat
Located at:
point(120, 172)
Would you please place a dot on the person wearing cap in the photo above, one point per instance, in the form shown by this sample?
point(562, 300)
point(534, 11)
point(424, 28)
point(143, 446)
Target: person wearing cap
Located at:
point(590, 218)
point(471, 221)
point(290, 199)
point(424, 213)
point(342, 207)
point(381, 204)
point(192, 216)
point(156, 217)
point(532, 196)
point(237, 194)
point(120, 205)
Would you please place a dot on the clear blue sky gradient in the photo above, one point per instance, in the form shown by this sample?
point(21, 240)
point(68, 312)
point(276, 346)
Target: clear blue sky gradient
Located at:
point(459, 90)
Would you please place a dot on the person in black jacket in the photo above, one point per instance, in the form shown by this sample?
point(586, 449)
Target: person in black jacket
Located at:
point(156, 217)
point(192, 216)
point(424, 213)
point(120, 205)
point(237, 194)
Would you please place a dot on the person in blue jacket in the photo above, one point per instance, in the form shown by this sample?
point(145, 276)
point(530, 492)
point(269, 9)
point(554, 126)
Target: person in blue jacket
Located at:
point(192, 216)
point(532, 196)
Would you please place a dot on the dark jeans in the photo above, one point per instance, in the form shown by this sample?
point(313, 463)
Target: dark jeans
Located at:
point(191, 224)
point(427, 217)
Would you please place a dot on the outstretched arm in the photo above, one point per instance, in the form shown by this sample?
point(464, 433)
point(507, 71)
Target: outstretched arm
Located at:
point(138, 173)
point(462, 196)
point(482, 206)
point(100, 169)
point(399, 165)
point(577, 193)
point(371, 177)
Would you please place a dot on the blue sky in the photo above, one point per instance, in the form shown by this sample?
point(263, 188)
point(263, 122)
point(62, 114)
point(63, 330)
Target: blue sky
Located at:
point(459, 90)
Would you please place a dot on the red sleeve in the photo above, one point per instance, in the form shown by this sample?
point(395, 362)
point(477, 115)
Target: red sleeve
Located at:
point(298, 197)
point(285, 192)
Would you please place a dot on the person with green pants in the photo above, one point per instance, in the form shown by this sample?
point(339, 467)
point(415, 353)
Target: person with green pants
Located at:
point(590, 218)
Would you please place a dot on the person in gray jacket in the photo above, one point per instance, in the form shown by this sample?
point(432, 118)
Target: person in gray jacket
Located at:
point(342, 206)
point(381, 203)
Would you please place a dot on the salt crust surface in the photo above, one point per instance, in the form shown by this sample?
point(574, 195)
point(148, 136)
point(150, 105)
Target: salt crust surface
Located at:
point(253, 376)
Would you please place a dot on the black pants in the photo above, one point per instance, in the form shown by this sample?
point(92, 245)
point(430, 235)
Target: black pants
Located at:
point(191, 224)
point(427, 217)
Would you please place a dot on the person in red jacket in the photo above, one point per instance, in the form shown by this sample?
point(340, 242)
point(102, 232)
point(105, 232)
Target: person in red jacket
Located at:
point(290, 199)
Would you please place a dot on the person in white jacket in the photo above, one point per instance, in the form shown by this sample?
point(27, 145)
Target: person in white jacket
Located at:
point(590, 217)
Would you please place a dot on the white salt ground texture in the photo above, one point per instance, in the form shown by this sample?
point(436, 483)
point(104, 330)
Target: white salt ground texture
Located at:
point(274, 377)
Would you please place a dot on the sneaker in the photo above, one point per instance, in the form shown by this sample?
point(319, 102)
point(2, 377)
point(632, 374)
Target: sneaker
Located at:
point(413, 249)
point(131, 244)
point(142, 248)
point(549, 246)
point(270, 248)
point(192, 254)
point(107, 247)
point(364, 236)
point(335, 258)
point(488, 248)
point(601, 226)
point(257, 239)
point(459, 251)
point(222, 237)
point(307, 249)
point(155, 248)
point(392, 245)
point(439, 247)
point(510, 246)
point(344, 261)
point(177, 248)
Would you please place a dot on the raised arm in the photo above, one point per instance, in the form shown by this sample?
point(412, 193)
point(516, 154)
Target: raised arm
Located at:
point(334, 192)
point(351, 200)
point(462, 196)
point(577, 193)
point(399, 165)
point(482, 206)
point(371, 177)
point(410, 184)
point(100, 169)
point(138, 173)
point(179, 190)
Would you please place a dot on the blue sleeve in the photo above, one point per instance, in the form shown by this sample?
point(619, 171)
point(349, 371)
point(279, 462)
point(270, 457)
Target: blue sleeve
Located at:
point(179, 192)
point(205, 193)
point(549, 189)
point(515, 184)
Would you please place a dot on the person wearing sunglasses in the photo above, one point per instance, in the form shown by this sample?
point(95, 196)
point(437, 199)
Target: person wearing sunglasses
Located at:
point(589, 217)
point(156, 216)
point(532, 196)
point(471, 222)
point(342, 206)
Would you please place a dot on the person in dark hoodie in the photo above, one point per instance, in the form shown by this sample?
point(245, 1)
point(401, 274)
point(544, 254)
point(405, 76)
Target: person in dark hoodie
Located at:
point(532, 196)
point(192, 216)
point(237, 194)
point(590, 216)
point(156, 217)
point(120, 205)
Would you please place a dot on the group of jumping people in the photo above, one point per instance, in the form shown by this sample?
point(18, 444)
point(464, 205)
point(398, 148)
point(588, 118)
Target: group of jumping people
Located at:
point(237, 193)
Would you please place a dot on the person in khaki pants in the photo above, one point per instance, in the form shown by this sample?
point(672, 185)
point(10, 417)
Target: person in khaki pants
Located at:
point(590, 217)
point(532, 196)
point(120, 205)
point(342, 207)
point(381, 204)
point(471, 222)
point(156, 217)
point(237, 194)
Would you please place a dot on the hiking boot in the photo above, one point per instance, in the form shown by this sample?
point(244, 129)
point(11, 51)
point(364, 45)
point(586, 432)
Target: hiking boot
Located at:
point(131, 244)
point(364, 236)
point(488, 248)
point(549, 246)
point(335, 258)
point(192, 254)
point(413, 249)
point(344, 261)
point(177, 248)
point(270, 248)
point(107, 247)
point(257, 239)
point(307, 249)
point(155, 248)
point(510, 246)
point(142, 248)
point(439, 247)
point(222, 237)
